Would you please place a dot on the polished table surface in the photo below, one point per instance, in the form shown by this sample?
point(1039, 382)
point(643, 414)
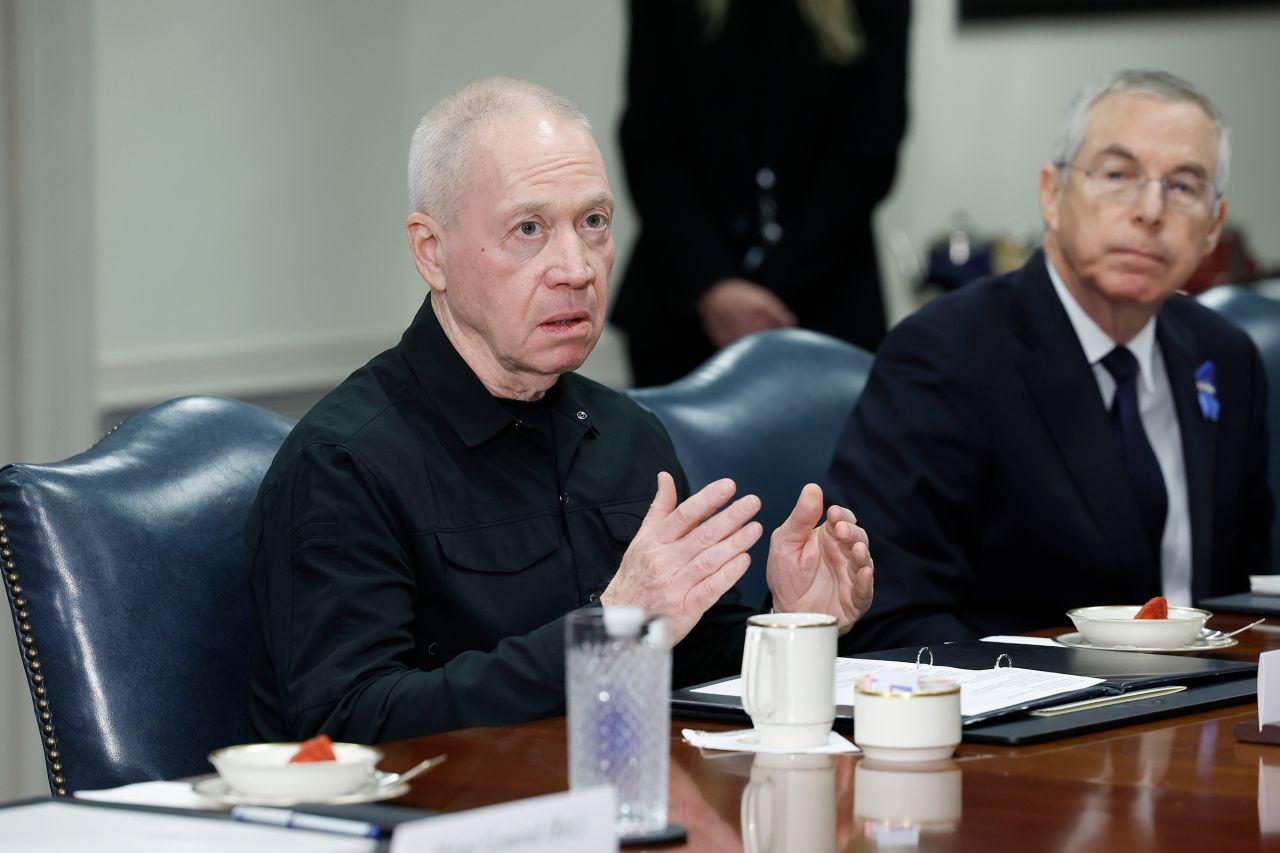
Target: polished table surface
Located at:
point(1177, 784)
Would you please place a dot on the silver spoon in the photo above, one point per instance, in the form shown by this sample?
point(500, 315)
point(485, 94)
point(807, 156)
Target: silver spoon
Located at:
point(1214, 636)
point(388, 779)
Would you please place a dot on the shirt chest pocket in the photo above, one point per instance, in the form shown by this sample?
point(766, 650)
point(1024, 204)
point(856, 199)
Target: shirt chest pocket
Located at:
point(500, 549)
point(623, 520)
point(499, 580)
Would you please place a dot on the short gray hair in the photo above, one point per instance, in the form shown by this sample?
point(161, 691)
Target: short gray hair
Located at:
point(441, 143)
point(1160, 85)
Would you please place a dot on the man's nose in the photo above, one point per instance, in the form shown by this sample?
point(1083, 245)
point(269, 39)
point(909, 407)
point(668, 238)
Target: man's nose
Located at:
point(1149, 207)
point(570, 262)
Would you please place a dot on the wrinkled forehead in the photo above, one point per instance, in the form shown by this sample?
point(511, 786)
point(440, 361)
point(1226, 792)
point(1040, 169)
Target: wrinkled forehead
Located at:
point(1156, 132)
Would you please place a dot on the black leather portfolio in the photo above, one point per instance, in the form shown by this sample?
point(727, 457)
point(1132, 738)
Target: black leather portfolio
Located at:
point(1209, 683)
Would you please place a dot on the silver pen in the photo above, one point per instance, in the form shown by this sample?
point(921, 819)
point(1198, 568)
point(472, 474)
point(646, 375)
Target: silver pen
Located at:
point(300, 820)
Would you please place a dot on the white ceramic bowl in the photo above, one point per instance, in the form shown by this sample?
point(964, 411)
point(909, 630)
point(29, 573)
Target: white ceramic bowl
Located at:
point(1114, 625)
point(263, 770)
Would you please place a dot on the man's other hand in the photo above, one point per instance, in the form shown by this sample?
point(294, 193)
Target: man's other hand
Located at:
point(824, 569)
point(685, 557)
point(735, 308)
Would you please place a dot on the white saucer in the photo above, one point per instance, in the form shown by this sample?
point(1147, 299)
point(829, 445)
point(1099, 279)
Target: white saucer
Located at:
point(1076, 641)
point(215, 788)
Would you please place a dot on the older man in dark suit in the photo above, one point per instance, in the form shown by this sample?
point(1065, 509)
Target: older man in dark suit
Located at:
point(1073, 433)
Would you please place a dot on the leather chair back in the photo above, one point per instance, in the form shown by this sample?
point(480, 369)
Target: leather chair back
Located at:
point(765, 411)
point(1259, 316)
point(126, 577)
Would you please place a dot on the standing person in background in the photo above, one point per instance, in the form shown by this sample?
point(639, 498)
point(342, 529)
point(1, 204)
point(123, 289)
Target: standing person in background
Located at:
point(759, 136)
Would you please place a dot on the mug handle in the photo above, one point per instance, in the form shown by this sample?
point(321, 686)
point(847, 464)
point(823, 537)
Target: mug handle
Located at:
point(756, 823)
point(752, 676)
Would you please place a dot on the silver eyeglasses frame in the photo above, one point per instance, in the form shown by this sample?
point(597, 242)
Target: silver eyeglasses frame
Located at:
point(1130, 194)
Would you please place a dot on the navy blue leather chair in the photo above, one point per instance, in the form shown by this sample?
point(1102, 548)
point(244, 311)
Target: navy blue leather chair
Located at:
point(765, 411)
point(1259, 316)
point(126, 578)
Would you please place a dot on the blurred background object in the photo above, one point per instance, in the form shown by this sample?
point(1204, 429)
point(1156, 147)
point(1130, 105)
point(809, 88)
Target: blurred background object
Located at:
point(759, 137)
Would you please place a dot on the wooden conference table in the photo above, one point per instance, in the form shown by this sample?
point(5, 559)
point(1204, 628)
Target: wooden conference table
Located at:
point(1177, 784)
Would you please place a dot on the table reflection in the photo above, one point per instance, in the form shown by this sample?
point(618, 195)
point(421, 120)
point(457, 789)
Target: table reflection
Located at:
point(789, 804)
point(894, 802)
point(1269, 794)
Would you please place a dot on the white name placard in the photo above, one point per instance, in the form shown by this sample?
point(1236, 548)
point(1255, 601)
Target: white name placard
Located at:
point(570, 822)
point(1268, 688)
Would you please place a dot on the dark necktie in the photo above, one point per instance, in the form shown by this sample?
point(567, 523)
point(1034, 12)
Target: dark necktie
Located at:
point(1135, 450)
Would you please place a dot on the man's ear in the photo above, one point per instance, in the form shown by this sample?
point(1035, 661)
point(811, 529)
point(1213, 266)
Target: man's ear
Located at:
point(425, 235)
point(1050, 194)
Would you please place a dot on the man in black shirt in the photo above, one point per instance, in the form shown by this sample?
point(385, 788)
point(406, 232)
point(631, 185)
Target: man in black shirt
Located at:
point(422, 532)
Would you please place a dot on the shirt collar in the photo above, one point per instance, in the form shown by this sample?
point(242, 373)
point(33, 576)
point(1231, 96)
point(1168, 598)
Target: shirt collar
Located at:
point(459, 395)
point(1095, 342)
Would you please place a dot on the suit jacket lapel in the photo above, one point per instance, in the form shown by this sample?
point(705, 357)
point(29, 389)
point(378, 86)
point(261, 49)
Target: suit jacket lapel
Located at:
point(1181, 357)
point(1061, 382)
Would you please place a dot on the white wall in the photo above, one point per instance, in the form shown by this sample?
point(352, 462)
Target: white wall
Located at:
point(245, 172)
point(250, 197)
point(250, 172)
point(46, 295)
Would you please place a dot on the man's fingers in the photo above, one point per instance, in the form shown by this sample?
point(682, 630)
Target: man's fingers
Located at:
point(709, 590)
point(863, 589)
point(723, 523)
point(664, 500)
point(695, 509)
point(712, 560)
point(804, 515)
point(844, 525)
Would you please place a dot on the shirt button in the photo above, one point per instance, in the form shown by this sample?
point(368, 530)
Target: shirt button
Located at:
point(564, 497)
point(592, 598)
point(582, 416)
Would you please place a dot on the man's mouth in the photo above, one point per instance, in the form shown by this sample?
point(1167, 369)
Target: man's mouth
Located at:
point(1153, 257)
point(564, 323)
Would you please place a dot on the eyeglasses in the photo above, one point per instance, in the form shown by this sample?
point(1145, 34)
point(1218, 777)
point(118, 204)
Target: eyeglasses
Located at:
point(1122, 183)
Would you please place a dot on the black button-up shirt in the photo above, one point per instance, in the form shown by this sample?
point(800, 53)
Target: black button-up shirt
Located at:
point(414, 548)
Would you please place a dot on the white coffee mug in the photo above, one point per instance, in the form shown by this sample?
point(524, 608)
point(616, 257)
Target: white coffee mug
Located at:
point(908, 725)
point(788, 678)
point(790, 804)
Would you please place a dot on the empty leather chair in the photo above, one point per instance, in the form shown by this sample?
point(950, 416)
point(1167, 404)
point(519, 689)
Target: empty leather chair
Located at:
point(766, 411)
point(126, 578)
point(1259, 316)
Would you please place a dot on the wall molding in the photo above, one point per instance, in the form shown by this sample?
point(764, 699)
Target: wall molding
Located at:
point(246, 369)
point(130, 379)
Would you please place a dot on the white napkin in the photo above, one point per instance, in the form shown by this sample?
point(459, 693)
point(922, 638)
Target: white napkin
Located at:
point(1024, 641)
point(1264, 584)
point(176, 795)
point(744, 740)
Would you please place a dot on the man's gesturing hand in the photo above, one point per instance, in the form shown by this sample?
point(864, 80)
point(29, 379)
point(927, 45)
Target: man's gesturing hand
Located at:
point(826, 569)
point(685, 557)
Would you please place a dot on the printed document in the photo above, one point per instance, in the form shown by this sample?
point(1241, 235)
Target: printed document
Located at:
point(982, 691)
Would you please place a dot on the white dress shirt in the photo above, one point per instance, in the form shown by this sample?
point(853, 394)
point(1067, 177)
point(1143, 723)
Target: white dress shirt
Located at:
point(1159, 419)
